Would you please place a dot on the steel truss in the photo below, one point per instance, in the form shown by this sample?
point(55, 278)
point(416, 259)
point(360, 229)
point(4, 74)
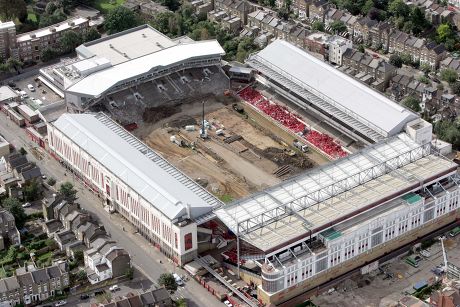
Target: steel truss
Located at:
point(315, 197)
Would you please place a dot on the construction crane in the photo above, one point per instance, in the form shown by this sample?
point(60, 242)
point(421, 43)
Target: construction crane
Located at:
point(444, 254)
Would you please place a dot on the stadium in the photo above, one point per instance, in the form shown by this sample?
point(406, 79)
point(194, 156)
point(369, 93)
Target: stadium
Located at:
point(287, 236)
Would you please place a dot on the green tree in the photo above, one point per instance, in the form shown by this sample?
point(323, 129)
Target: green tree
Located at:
point(449, 75)
point(167, 280)
point(31, 191)
point(11, 9)
point(443, 32)
point(49, 54)
point(69, 41)
point(120, 19)
point(337, 26)
point(418, 20)
point(129, 273)
point(56, 17)
point(50, 8)
point(448, 131)
point(13, 205)
point(51, 181)
point(361, 48)
point(426, 68)
point(424, 79)
point(455, 87)
point(91, 34)
point(398, 8)
point(396, 60)
point(81, 275)
point(78, 256)
point(318, 26)
point(412, 103)
point(406, 58)
point(68, 192)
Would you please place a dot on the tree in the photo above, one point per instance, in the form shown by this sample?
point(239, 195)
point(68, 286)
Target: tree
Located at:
point(337, 26)
point(424, 79)
point(418, 20)
point(120, 19)
point(129, 273)
point(443, 32)
point(49, 54)
point(81, 275)
point(406, 59)
point(398, 8)
point(31, 191)
point(318, 26)
point(78, 256)
point(11, 9)
point(426, 68)
point(173, 5)
point(361, 48)
point(449, 75)
point(68, 192)
point(69, 41)
point(396, 60)
point(91, 34)
point(51, 181)
point(455, 87)
point(168, 281)
point(14, 206)
point(50, 8)
point(448, 131)
point(412, 103)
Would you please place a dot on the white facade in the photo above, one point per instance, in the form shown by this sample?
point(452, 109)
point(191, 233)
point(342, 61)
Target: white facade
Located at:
point(337, 47)
point(361, 238)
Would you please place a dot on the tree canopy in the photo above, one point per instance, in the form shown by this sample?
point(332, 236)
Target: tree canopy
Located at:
point(167, 280)
point(449, 75)
point(11, 9)
point(396, 60)
point(68, 192)
point(13, 205)
point(120, 19)
point(412, 103)
point(337, 26)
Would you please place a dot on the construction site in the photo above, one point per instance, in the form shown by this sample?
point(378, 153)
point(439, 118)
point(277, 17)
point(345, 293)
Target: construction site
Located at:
point(242, 153)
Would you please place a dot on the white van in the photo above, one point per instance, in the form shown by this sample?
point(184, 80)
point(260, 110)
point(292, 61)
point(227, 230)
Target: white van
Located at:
point(31, 87)
point(179, 280)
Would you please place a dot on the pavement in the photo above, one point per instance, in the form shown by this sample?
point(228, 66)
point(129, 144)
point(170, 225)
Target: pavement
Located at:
point(145, 257)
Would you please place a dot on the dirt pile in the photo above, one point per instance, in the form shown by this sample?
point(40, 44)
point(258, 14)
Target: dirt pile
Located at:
point(281, 157)
point(182, 121)
point(155, 114)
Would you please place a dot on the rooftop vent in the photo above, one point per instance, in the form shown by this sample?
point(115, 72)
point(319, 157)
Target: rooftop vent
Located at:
point(125, 55)
point(111, 46)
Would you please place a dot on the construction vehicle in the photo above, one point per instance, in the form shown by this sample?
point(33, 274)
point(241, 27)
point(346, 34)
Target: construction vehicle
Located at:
point(178, 141)
point(300, 146)
point(238, 108)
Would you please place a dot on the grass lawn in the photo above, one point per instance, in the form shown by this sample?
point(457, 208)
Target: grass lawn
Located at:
point(225, 198)
point(106, 5)
point(31, 16)
point(45, 256)
point(2, 273)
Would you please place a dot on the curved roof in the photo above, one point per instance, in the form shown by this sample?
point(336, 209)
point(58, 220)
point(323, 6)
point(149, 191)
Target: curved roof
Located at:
point(341, 88)
point(101, 81)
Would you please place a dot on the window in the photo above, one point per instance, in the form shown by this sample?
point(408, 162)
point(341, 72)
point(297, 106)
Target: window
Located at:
point(188, 241)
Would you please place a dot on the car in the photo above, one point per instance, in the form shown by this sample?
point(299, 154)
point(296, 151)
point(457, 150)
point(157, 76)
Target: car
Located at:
point(31, 87)
point(228, 304)
point(60, 303)
point(43, 176)
point(26, 205)
point(425, 253)
point(11, 84)
point(179, 280)
point(84, 296)
point(114, 288)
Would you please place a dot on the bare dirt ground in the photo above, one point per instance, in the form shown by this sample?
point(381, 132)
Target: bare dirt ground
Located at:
point(232, 170)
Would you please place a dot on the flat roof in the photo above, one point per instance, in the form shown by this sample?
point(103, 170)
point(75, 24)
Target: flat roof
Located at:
point(6, 93)
point(101, 81)
point(346, 92)
point(146, 172)
point(65, 25)
point(277, 233)
point(27, 110)
point(133, 43)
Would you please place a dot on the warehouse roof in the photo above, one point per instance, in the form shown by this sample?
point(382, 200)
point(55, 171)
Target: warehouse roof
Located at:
point(340, 188)
point(138, 166)
point(101, 81)
point(346, 92)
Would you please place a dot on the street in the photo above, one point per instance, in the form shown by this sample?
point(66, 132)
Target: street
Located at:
point(144, 256)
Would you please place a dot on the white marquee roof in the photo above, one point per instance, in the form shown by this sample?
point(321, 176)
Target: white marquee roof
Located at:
point(138, 166)
point(341, 88)
point(101, 81)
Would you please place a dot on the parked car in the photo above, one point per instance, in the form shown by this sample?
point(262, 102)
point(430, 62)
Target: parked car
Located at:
point(228, 304)
point(84, 296)
point(114, 288)
point(179, 280)
point(26, 205)
point(31, 87)
point(43, 176)
point(60, 303)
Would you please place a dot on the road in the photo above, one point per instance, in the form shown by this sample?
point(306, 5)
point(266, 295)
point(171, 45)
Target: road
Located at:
point(144, 256)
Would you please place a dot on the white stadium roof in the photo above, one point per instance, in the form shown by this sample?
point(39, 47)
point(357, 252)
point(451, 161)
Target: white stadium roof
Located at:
point(101, 81)
point(309, 202)
point(138, 166)
point(346, 92)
